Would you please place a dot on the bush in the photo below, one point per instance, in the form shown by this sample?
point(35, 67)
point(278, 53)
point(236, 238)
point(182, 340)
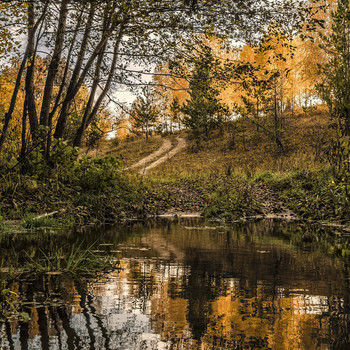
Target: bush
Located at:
point(96, 173)
point(63, 157)
point(315, 195)
point(231, 203)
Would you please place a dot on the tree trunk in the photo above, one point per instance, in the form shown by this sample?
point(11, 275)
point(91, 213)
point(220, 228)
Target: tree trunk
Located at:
point(77, 80)
point(63, 84)
point(52, 70)
point(257, 113)
point(29, 81)
point(88, 118)
point(8, 114)
point(79, 134)
point(276, 121)
point(24, 131)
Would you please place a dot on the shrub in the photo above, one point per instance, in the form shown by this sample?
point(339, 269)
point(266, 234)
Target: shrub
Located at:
point(314, 195)
point(230, 202)
point(96, 173)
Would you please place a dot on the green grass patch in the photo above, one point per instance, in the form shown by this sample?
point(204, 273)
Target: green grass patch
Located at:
point(231, 200)
point(75, 261)
point(33, 221)
point(312, 194)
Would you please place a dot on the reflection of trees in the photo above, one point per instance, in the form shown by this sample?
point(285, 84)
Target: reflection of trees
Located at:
point(235, 314)
point(202, 286)
point(215, 289)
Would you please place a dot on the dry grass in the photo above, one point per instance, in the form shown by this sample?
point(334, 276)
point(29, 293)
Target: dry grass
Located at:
point(304, 138)
point(130, 151)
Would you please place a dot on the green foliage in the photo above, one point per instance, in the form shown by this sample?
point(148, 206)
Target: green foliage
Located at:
point(264, 176)
point(175, 110)
point(93, 136)
point(63, 156)
point(96, 173)
point(334, 88)
point(231, 202)
point(75, 261)
point(115, 142)
point(315, 195)
point(204, 111)
point(145, 112)
point(32, 221)
point(261, 106)
point(8, 305)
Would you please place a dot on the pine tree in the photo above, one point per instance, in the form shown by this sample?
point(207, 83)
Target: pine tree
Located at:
point(175, 110)
point(203, 110)
point(335, 87)
point(145, 113)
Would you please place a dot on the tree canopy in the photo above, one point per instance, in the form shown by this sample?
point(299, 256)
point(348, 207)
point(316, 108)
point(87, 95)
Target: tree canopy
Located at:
point(106, 46)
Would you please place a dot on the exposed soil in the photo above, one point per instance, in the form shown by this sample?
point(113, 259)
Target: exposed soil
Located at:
point(166, 146)
point(272, 207)
point(187, 202)
point(181, 144)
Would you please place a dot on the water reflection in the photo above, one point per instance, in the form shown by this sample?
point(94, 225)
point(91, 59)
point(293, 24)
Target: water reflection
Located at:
point(187, 286)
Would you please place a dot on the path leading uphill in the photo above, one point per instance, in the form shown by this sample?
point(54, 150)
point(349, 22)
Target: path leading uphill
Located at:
point(181, 145)
point(165, 147)
point(153, 160)
point(190, 202)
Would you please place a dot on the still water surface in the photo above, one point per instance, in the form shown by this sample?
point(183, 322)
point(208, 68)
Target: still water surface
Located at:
point(187, 285)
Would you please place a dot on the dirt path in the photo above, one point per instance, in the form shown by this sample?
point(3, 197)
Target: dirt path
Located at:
point(165, 147)
point(181, 144)
point(191, 203)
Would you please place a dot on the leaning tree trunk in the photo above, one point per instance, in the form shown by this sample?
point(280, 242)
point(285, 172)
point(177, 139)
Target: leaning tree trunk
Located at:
point(8, 114)
point(88, 118)
point(30, 106)
point(89, 106)
point(24, 131)
point(77, 81)
point(63, 83)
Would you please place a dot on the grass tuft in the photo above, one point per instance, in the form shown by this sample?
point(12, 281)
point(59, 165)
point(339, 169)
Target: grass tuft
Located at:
point(75, 261)
point(31, 221)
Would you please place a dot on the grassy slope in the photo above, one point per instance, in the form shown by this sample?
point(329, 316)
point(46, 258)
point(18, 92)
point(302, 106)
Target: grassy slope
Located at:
point(300, 175)
point(129, 151)
point(254, 152)
point(100, 197)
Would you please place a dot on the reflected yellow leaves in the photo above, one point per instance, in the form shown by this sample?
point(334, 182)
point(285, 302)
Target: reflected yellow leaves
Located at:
point(199, 288)
point(234, 320)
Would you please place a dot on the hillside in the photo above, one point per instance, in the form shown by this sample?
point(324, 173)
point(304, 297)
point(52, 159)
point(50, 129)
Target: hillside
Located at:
point(304, 139)
point(253, 176)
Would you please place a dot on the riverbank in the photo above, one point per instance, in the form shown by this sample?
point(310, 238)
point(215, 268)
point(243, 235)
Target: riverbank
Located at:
point(248, 180)
point(308, 195)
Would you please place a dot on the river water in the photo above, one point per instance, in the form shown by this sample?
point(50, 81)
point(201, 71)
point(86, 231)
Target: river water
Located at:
point(189, 284)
